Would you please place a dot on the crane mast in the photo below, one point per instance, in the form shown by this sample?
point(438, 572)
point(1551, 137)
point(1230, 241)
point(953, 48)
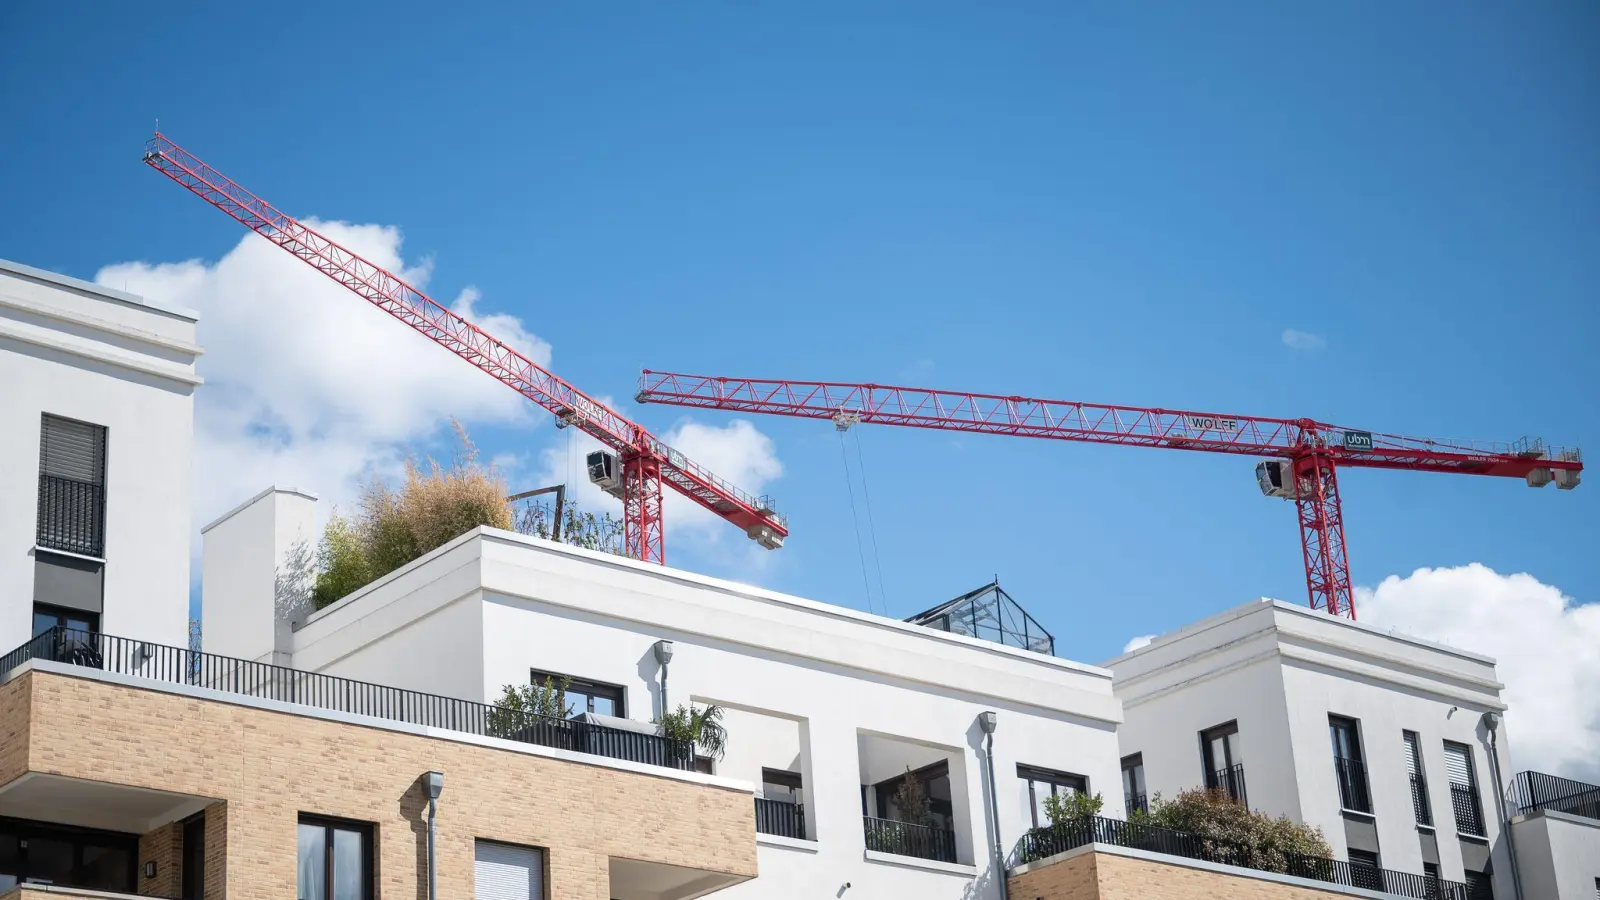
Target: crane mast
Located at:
point(1304, 455)
point(645, 461)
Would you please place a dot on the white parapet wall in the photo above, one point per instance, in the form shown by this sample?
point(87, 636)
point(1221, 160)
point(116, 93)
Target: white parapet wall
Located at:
point(255, 574)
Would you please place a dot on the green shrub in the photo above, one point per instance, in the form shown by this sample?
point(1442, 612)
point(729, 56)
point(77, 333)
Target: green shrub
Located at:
point(1213, 815)
point(392, 527)
point(701, 727)
point(522, 705)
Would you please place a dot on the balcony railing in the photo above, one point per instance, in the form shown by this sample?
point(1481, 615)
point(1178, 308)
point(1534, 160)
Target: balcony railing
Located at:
point(1042, 843)
point(1229, 781)
point(1137, 803)
point(1419, 801)
point(176, 665)
point(1534, 791)
point(907, 839)
point(1352, 776)
point(1469, 813)
point(781, 818)
point(72, 515)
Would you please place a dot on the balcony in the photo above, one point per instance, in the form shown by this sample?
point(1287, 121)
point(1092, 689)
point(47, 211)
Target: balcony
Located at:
point(72, 515)
point(907, 839)
point(1419, 801)
point(1137, 803)
point(780, 818)
point(1468, 811)
point(1352, 777)
point(1043, 843)
point(176, 665)
point(1229, 781)
point(1535, 791)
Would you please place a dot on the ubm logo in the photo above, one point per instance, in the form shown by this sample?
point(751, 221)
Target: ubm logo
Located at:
point(1358, 440)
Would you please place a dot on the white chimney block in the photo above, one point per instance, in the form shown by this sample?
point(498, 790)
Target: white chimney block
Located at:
point(257, 566)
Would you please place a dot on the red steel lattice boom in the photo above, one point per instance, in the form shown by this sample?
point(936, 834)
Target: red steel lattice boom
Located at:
point(1306, 452)
point(648, 462)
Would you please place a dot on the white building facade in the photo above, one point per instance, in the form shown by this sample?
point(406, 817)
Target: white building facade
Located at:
point(828, 709)
point(1380, 740)
point(96, 436)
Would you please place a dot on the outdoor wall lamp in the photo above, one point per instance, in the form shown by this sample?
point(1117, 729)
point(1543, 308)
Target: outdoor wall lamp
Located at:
point(433, 786)
point(663, 651)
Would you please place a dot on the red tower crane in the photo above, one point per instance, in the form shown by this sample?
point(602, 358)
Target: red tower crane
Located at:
point(641, 462)
point(1305, 454)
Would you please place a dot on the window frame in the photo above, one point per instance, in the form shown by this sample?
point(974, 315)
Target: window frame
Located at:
point(1135, 786)
point(589, 688)
point(61, 614)
point(77, 838)
point(329, 824)
point(883, 792)
point(784, 778)
point(1033, 775)
point(1207, 736)
point(97, 549)
point(1371, 863)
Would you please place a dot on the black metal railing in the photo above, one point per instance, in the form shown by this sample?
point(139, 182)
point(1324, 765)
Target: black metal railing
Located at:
point(781, 818)
point(1229, 781)
point(908, 839)
point(177, 665)
point(72, 515)
point(1042, 843)
point(1534, 791)
point(1419, 801)
point(1469, 812)
point(1352, 775)
point(1137, 803)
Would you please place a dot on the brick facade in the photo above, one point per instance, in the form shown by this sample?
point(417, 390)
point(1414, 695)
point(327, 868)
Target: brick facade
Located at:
point(1106, 876)
point(266, 768)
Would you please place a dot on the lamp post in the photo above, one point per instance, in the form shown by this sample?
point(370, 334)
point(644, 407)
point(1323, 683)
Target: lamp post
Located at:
point(433, 785)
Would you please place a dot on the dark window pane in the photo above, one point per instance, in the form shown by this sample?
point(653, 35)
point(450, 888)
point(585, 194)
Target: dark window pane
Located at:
point(9, 861)
point(313, 862)
point(604, 706)
point(43, 621)
point(106, 869)
point(49, 860)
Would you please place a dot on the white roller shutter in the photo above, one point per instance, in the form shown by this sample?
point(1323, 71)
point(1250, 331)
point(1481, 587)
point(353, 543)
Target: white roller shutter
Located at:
point(1413, 765)
point(1458, 765)
point(505, 872)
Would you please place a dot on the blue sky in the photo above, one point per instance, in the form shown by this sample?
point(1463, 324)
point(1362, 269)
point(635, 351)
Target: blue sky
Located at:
point(1116, 203)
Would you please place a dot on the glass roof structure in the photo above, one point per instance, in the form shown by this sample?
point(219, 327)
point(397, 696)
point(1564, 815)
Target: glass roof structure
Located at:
point(990, 614)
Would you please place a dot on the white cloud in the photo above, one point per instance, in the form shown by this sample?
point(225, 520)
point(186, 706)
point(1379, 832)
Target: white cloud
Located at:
point(1547, 646)
point(1303, 340)
point(1137, 642)
point(308, 385)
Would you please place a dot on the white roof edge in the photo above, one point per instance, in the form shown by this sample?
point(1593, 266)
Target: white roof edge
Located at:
point(771, 596)
point(1257, 605)
point(274, 489)
point(99, 290)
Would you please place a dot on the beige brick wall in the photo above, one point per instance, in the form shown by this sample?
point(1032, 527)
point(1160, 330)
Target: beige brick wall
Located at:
point(1104, 876)
point(267, 768)
point(164, 847)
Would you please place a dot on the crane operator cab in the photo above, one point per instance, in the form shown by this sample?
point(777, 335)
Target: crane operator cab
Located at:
point(1276, 478)
point(605, 470)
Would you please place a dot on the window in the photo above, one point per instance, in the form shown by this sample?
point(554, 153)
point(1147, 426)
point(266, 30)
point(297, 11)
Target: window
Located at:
point(1039, 785)
point(1419, 784)
point(1430, 874)
point(588, 696)
point(335, 860)
point(1364, 870)
point(46, 617)
point(72, 486)
point(1349, 769)
point(1133, 788)
point(1463, 789)
point(935, 781)
point(1479, 887)
point(778, 784)
point(507, 872)
point(35, 852)
point(1224, 769)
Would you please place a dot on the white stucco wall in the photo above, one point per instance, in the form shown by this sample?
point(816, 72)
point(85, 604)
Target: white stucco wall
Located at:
point(810, 678)
point(1558, 856)
point(246, 553)
point(77, 350)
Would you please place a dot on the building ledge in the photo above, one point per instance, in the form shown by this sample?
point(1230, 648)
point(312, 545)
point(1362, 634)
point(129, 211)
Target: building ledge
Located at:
point(1184, 862)
point(914, 862)
point(1556, 815)
point(392, 725)
point(24, 891)
point(788, 843)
